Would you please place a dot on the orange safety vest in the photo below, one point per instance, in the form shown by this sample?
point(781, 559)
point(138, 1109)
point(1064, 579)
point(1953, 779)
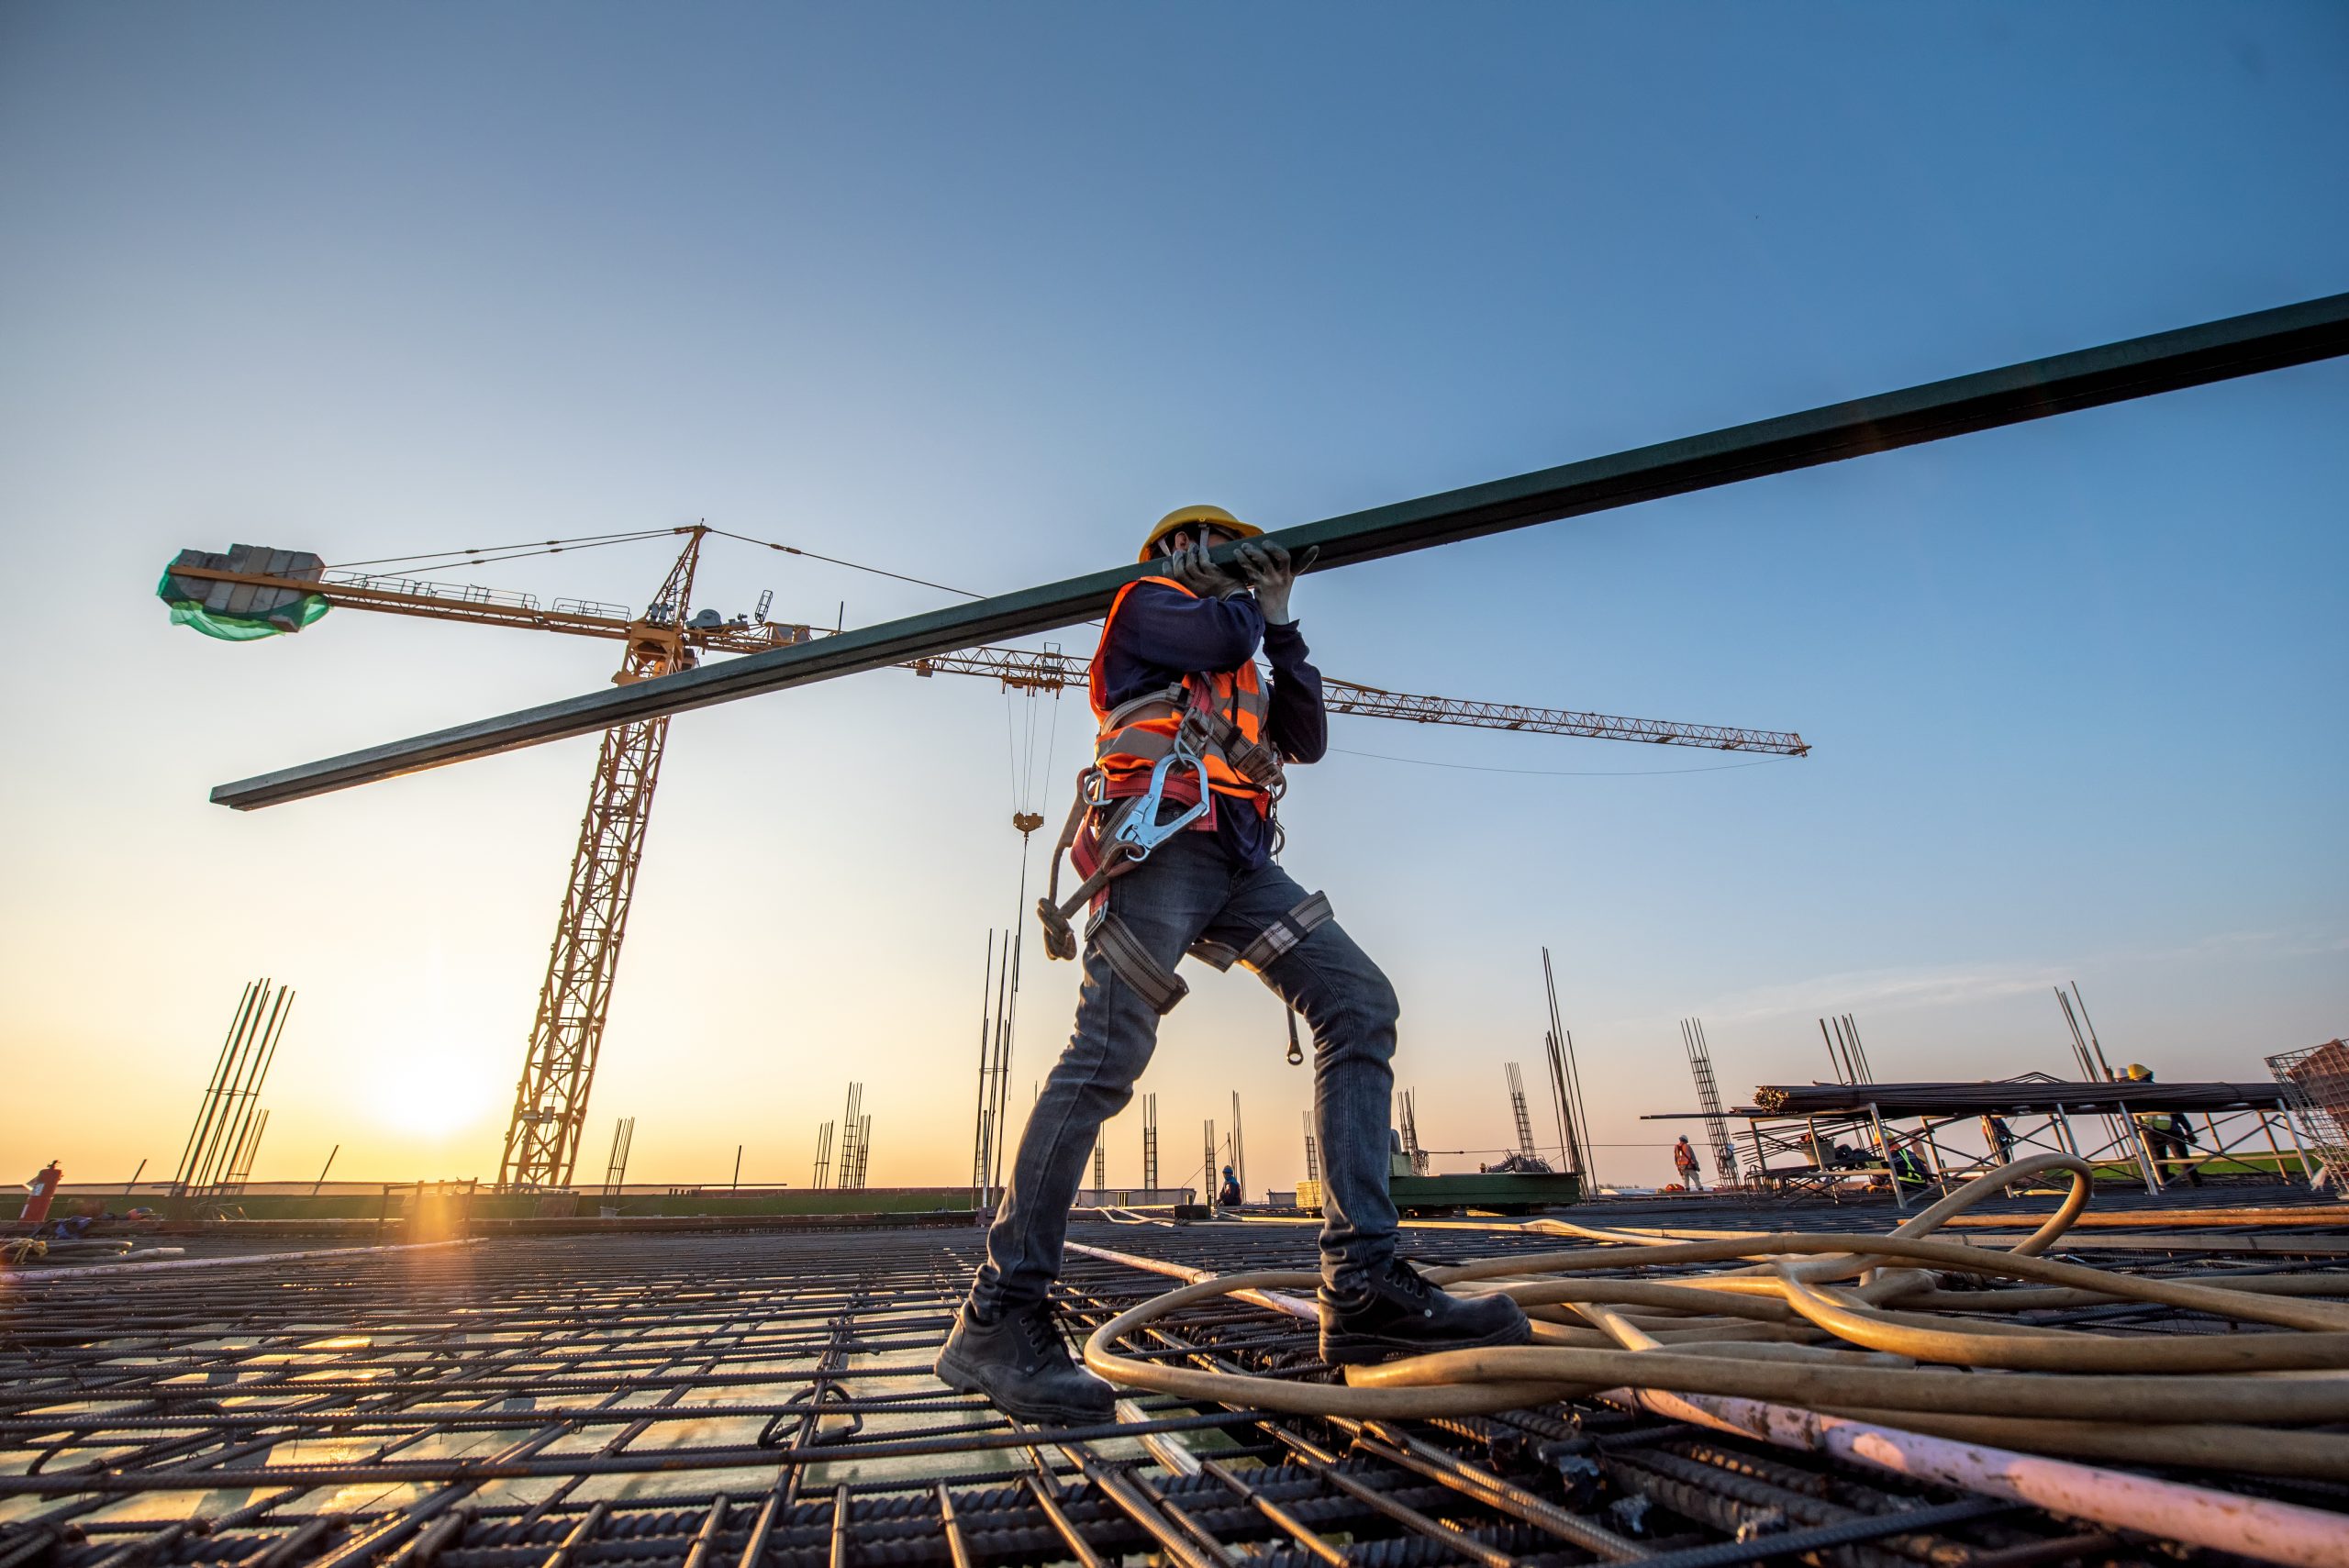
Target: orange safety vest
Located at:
point(1137, 733)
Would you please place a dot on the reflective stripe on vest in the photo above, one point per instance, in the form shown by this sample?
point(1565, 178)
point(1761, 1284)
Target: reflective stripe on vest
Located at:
point(1138, 732)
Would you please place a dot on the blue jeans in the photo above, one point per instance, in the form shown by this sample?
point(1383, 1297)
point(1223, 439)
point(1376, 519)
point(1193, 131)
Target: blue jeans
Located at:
point(1189, 890)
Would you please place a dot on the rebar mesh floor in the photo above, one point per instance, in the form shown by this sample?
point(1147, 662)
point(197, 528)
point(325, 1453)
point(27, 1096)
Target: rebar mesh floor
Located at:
point(768, 1400)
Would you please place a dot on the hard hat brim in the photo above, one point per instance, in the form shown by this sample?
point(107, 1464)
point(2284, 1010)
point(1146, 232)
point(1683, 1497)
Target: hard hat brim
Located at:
point(1231, 526)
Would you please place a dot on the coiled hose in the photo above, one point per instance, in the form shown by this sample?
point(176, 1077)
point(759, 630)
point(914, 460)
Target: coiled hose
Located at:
point(1893, 1328)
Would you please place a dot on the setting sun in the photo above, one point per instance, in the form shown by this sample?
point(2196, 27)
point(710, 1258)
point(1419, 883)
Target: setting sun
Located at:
point(432, 1090)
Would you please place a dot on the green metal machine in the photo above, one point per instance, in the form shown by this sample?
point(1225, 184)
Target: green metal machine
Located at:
point(1491, 1191)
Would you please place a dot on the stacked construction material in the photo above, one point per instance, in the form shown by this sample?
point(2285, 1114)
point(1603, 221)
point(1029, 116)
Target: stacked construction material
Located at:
point(1982, 1097)
point(2315, 1082)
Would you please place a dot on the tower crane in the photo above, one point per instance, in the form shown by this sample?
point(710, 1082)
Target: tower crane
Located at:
point(253, 590)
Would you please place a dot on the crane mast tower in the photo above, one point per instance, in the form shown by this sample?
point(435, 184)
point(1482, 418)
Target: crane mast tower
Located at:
point(550, 1099)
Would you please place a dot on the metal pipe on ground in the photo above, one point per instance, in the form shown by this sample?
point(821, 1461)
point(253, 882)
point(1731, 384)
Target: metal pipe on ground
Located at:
point(2279, 1532)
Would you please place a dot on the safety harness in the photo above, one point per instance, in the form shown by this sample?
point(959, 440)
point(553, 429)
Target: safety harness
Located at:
point(1191, 745)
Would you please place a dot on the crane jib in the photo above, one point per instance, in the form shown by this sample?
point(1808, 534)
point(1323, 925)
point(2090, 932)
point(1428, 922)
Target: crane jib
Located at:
point(1022, 669)
point(2139, 367)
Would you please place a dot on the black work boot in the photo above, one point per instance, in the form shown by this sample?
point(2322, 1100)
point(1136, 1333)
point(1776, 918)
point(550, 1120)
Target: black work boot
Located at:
point(1021, 1363)
point(1397, 1313)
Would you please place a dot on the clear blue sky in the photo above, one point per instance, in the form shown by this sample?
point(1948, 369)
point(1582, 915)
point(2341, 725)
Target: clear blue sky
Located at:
point(975, 293)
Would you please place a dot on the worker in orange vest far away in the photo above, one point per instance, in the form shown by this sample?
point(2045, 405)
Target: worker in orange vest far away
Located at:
point(1174, 835)
point(1684, 1159)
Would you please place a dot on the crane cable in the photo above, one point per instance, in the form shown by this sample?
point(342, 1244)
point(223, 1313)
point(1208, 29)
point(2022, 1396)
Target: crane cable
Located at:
point(480, 555)
point(1019, 739)
point(1020, 744)
point(851, 565)
point(476, 555)
point(1897, 1348)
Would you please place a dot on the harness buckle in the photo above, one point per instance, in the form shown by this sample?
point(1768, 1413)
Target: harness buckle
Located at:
point(1199, 731)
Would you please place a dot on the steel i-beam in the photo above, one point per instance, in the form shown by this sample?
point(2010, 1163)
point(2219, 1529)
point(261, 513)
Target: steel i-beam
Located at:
point(2139, 367)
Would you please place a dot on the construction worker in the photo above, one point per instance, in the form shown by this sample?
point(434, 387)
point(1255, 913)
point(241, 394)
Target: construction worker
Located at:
point(1227, 1195)
point(2181, 1141)
point(1174, 678)
point(1684, 1159)
point(2002, 1140)
point(2168, 1135)
point(1908, 1168)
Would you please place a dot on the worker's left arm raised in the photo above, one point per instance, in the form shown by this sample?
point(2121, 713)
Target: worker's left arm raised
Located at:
point(1299, 724)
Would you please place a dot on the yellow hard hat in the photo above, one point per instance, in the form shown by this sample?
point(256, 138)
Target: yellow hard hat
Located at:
point(1186, 517)
point(2137, 1069)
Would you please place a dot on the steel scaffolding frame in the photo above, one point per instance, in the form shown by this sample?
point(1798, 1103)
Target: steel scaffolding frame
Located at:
point(1517, 1108)
point(2245, 1140)
point(1708, 1097)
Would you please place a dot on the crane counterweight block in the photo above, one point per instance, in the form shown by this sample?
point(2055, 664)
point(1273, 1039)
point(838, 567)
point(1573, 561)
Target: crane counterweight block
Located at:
point(241, 594)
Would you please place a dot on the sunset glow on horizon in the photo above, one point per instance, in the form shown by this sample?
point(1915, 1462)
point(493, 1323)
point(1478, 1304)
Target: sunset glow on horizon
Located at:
point(972, 303)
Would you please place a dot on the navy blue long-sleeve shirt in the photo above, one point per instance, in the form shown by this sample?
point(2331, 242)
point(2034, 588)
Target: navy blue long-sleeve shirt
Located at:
point(1159, 635)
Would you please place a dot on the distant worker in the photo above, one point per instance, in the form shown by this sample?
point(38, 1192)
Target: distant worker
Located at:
point(1229, 1195)
point(1907, 1169)
point(1191, 737)
point(2002, 1142)
point(2180, 1142)
point(2168, 1135)
point(1684, 1159)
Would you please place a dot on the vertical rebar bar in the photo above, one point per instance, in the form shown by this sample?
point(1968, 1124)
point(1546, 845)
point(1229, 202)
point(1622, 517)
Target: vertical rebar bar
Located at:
point(1149, 1142)
point(979, 1128)
point(2094, 1044)
point(1580, 1158)
point(1239, 1148)
point(209, 1106)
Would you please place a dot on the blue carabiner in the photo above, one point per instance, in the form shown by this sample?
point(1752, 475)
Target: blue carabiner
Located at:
point(1140, 831)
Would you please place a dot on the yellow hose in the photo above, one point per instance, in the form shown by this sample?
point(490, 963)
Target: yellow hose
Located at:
point(1920, 1347)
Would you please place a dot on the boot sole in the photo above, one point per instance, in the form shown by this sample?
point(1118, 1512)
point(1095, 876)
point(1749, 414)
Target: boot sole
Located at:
point(1362, 1349)
point(963, 1377)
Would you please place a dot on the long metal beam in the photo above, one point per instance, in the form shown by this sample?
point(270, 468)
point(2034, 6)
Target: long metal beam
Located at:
point(2140, 367)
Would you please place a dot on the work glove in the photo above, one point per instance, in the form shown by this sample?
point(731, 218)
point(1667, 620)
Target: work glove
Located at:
point(1268, 570)
point(1192, 568)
